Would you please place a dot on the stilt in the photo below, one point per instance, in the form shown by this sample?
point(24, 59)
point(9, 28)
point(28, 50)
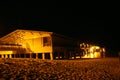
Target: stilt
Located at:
point(6, 56)
point(51, 56)
point(43, 56)
point(10, 55)
point(2, 55)
point(36, 55)
point(30, 55)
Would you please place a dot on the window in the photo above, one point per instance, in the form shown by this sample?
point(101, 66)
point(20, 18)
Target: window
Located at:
point(46, 41)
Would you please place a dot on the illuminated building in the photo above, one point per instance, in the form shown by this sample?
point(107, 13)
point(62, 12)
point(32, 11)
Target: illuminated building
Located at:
point(38, 45)
point(92, 51)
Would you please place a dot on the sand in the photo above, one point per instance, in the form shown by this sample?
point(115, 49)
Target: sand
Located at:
point(82, 69)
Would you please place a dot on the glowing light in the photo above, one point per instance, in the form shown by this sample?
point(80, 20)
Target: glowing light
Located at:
point(91, 55)
point(92, 51)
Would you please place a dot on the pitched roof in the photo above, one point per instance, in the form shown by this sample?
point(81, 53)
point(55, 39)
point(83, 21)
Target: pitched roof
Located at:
point(21, 32)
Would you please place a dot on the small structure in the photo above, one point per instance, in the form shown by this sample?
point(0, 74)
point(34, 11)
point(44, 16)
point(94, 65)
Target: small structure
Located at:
point(92, 51)
point(37, 44)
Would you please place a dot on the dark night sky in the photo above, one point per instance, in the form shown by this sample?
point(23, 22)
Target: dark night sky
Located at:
point(94, 28)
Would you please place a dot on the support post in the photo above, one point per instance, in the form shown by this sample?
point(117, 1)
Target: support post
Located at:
point(43, 56)
point(51, 56)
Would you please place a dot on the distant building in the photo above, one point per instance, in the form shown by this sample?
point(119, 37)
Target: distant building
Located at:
point(92, 51)
point(38, 44)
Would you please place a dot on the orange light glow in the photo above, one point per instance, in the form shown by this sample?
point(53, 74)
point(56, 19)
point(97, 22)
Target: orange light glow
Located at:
point(93, 52)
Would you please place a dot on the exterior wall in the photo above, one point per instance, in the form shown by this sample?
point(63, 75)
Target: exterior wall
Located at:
point(63, 42)
point(7, 52)
point(64, 47)
point(36, 46)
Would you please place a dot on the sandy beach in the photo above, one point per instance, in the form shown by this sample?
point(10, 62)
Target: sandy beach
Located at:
point(82, 69)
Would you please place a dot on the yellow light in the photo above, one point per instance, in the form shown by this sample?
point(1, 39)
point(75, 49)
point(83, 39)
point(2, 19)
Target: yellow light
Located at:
point(91, 55)
point(93, 52)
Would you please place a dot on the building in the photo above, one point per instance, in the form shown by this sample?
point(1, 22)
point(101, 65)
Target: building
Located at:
point(37, 44)
point(92, 51)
